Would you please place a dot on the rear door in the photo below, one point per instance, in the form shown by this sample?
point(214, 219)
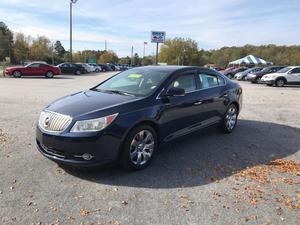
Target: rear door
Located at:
point(213, 96)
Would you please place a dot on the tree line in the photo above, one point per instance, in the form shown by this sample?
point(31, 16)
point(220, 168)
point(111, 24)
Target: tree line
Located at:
point(177, 51)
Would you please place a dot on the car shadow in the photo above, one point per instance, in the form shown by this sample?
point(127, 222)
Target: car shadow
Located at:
point(204, 157)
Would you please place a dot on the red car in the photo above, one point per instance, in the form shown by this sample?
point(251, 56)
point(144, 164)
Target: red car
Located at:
point(33, 69)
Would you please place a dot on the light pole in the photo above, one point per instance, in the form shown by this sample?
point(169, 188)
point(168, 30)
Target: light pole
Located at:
point(71, 5)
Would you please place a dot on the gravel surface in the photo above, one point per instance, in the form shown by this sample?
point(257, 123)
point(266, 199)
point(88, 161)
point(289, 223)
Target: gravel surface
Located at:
point(249, 177)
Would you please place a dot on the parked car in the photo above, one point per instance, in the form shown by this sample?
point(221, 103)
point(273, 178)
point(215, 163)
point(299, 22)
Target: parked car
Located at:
point(95, 67)
point(87, 67)
point(243, 75)
point(227, 69)
point(255, 77)
point(33, 69)
point(288, 75)
point(126, 117)
point(112, 66)
point(104, 67)
point(230, 73)
point(71, 68)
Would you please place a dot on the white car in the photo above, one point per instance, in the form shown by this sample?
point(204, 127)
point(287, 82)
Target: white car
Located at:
point(287, 75)
point(95, 67)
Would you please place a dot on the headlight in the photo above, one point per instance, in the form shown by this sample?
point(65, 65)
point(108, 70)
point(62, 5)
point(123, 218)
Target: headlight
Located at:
point(94, 124)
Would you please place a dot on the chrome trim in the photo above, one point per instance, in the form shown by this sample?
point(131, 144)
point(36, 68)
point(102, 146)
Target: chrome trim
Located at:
point(58, 122)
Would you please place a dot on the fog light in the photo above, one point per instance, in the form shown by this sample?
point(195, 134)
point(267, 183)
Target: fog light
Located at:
point(87, 156)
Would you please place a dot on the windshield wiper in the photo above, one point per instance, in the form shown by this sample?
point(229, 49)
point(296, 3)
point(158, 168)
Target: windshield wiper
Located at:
point(118, 92)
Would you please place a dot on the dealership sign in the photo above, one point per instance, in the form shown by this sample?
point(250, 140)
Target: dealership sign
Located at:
point(158, 36)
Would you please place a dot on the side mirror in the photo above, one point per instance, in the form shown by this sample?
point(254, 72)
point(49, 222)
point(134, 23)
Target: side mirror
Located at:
point(174, 92)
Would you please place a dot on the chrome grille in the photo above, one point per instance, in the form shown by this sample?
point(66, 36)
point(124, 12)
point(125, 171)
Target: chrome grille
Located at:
point(54, 122)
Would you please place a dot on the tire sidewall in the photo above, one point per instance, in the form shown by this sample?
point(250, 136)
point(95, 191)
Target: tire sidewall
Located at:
point(125, 159)
point(19, 76)
point(49, 72)
point(223, 125)
point(280, 79)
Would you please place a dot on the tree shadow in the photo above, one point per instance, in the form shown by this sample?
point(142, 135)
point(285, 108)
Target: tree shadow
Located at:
point(58, 77)
point(204, 157)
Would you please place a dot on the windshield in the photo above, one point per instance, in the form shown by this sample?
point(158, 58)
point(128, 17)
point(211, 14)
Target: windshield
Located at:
point(137, 82)
point(284, 70)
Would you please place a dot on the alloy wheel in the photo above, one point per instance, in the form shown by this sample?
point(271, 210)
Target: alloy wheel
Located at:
point(142, 147)
point(280, 83)
point(231, 118)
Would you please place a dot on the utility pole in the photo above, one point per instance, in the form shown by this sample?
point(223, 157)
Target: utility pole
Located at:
point(105, 45)
point(71, 23)
point(156, 60)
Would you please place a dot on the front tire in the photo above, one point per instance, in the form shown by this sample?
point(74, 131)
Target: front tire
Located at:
point(230, 119)
point(77, 72)
point(280, 82)
point(139, 148)
point(17, 74)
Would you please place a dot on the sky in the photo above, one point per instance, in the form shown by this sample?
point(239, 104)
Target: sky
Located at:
point(125, 23)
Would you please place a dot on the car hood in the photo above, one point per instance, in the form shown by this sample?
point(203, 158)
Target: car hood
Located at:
point(15, 67)
point(89, 102)
point(273, 74)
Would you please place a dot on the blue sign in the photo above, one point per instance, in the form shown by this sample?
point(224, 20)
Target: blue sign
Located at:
point(158, 36)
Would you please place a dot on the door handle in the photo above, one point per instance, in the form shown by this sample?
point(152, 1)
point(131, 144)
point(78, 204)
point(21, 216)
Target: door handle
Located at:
point(198, 103)
point(225, 95)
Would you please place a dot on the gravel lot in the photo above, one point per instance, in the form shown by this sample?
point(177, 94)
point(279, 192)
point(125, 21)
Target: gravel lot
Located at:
point(205, 178)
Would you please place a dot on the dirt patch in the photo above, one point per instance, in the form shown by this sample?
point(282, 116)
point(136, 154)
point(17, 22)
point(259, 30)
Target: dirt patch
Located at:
point(3, 138)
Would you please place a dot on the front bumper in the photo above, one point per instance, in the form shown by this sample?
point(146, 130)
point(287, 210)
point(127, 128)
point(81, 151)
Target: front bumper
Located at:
point(68, 150)
point(270, 82)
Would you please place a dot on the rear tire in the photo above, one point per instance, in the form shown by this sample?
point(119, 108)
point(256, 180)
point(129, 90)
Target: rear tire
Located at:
point(230, 120)
point(17, 74)
point(280, 82)
point(230, 76)
point(77, 72)
point(139, 148)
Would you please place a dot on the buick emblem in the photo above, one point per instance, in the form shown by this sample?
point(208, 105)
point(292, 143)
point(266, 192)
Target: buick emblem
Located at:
point(47, 122)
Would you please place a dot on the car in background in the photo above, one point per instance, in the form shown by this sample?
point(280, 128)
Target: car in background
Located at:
point(230, 73)
point(288, 75)
point(33, 69)
point(126, 117)
point(227, 69)
point(87, 67)
point(112, 66)
point(243, 75)
point(105, 68)
point(95, 67)
point(71, 68)
point(256, 76)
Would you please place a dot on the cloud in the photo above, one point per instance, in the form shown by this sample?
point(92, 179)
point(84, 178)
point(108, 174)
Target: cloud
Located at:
point(212, 24)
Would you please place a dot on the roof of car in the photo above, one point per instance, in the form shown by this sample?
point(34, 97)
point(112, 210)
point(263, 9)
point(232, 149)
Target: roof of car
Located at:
point(170, 69)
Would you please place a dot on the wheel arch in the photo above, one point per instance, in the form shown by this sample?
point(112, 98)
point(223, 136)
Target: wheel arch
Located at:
point(282, 78)
point(148, 122)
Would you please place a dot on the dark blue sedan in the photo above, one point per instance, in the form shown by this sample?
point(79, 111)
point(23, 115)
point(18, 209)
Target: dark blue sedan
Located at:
point(126, 117)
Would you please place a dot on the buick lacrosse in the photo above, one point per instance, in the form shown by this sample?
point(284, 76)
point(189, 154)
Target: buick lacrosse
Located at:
point(126, 117)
